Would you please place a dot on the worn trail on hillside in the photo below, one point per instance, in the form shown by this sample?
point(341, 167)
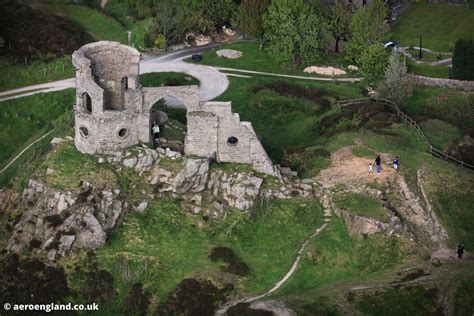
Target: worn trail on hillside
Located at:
point(292, 270)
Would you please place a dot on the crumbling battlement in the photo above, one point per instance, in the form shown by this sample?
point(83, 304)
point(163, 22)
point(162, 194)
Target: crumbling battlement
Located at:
point(113, 111)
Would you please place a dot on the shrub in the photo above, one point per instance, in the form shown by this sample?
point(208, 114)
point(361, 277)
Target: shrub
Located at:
point(463, 60)
point(372, 62)
point(159, 41)
point(396, 85)
point(137, 300)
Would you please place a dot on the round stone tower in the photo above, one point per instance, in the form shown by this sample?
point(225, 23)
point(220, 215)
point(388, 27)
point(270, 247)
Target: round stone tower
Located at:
point(108, 97)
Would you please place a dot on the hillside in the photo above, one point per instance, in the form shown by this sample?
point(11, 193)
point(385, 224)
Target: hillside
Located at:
point(159, 242)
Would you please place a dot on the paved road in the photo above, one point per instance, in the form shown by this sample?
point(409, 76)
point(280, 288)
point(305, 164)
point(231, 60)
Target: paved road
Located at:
point(212, 82)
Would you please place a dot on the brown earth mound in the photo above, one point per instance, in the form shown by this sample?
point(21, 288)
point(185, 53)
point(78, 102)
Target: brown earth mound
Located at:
point(32, 33)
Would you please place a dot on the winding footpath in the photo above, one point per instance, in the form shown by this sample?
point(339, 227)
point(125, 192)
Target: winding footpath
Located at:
point(213, 82)
point(223, 309)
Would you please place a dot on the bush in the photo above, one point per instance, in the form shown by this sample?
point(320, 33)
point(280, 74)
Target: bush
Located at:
point(463, 60)
point(396, 85)
point(137, 300)
point(372, 62)
point(159, 41)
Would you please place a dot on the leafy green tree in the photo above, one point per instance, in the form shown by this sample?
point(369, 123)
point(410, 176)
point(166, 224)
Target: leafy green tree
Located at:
point(218, 11)
point(340, 21)
point(249, 17)
point(367, 26)
point(166, 21)
point(372, 63)
point(294, 32)
point(463, 60)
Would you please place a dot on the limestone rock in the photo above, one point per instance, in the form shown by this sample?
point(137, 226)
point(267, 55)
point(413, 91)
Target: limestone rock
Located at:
point(193, 177)
point(328, 71)
point(49, 171)
point(229, 53)
point(238, 190)
point(56, 141)
point(141, 207)
point(62, 221)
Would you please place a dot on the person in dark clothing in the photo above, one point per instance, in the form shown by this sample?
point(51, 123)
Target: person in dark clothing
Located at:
point(460, 251)
point(378, 162)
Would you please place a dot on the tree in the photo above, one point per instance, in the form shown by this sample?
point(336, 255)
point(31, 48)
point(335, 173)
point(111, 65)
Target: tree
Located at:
point(294, 32)
point(165, 19)
point(249, 17)
point(372, 63)
point(367, 27)
point(340, 21)
point(397, 85)
point(219, 12)
point(463, 60)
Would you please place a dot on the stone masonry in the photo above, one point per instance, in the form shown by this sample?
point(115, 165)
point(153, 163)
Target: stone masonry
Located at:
point(112, 111)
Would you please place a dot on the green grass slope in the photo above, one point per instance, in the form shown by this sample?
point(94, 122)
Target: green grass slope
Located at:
point(101, 26)
point(440, 24)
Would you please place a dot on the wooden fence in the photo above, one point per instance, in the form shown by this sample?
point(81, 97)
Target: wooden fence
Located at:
point(434, 151)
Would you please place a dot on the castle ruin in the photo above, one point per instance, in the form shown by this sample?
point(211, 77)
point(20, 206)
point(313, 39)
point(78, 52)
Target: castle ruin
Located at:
point(114, 112)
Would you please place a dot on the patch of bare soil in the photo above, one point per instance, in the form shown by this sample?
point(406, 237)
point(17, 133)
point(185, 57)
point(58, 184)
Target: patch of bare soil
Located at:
point(346, 168)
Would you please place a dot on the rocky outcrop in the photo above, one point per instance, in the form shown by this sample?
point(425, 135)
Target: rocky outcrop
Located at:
point(327, 71)
point(57, 222)
point(237, 190)
point(229, 53)
point(193, 177)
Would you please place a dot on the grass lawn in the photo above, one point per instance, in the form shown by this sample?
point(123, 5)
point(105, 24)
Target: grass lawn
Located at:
point(428, 70)
point(101, 26)
point(452, 106)
point(439, 24)
point(255, 59)
point(16, 74)
point(283, 119)
point(25, 119)
point(362, 205)
point(158, 79)
point(334, 256)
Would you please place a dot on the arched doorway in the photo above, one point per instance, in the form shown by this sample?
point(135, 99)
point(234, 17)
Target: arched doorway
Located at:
point(169, 114)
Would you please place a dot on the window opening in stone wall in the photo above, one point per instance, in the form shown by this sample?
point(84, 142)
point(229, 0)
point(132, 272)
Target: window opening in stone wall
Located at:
point(84, 131)
point(122, 132)
point(87, 102)
point(125, 83)
point(232, 141)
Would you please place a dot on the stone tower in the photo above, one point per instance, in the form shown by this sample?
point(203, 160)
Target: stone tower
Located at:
point(108, 97)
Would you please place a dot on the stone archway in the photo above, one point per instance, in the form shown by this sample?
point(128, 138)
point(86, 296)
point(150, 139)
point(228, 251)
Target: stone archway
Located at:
point(172, 123)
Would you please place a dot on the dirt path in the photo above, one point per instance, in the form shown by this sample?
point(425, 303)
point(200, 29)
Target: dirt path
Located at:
point(289, 76)
point(292, 270)
point(25, 149)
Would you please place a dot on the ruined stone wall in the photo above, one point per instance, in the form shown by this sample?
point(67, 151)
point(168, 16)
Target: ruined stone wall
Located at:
point(111, 116)
point(445, 83)
point(215, 121)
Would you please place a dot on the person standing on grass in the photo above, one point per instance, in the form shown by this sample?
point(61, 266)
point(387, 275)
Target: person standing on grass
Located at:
point(395, 163)
point(460, 251)
point(378, 162)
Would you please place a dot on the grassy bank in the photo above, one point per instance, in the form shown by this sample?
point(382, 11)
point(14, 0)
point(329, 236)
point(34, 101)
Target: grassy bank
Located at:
point(101, 26)
point(284, 112)
point(439, 24)
point(428, 70)
point(25, 119)
point(16, 74)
